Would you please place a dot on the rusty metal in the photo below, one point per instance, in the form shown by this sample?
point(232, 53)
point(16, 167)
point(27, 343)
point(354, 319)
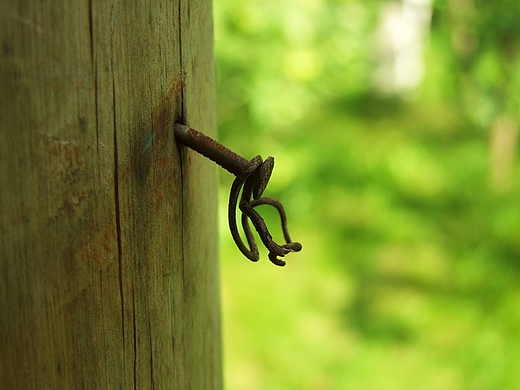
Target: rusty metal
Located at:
point(210, 148)
point(251, 180)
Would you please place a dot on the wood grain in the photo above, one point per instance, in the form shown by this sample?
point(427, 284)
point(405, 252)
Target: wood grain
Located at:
point(108, 257)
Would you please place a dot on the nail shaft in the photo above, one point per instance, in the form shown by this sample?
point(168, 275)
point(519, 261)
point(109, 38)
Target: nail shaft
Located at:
point(210, 148)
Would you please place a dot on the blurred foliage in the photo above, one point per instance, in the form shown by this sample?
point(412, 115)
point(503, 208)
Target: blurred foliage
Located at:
point(407, 205)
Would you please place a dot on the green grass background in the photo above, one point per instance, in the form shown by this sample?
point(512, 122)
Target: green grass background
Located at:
point(409, 274)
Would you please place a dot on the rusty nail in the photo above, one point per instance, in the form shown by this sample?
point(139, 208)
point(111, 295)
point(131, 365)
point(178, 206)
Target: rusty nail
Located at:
point(211, 149)
point(251, 179)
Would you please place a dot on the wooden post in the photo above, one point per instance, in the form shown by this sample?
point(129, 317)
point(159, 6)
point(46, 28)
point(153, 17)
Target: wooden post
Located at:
point(108, 256)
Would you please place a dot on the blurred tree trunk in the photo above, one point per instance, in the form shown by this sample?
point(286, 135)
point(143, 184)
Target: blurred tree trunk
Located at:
point(485, 49)
point(503, 145)
point(108, 257)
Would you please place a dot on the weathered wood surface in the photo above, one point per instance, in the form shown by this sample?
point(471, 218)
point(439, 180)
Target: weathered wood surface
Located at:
point(108, 257)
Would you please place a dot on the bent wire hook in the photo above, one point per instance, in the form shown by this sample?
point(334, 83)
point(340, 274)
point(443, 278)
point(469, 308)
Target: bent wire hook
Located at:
point(251, 180)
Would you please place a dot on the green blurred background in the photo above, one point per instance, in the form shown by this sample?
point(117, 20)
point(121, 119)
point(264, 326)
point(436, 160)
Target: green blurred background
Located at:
point(394, 127)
